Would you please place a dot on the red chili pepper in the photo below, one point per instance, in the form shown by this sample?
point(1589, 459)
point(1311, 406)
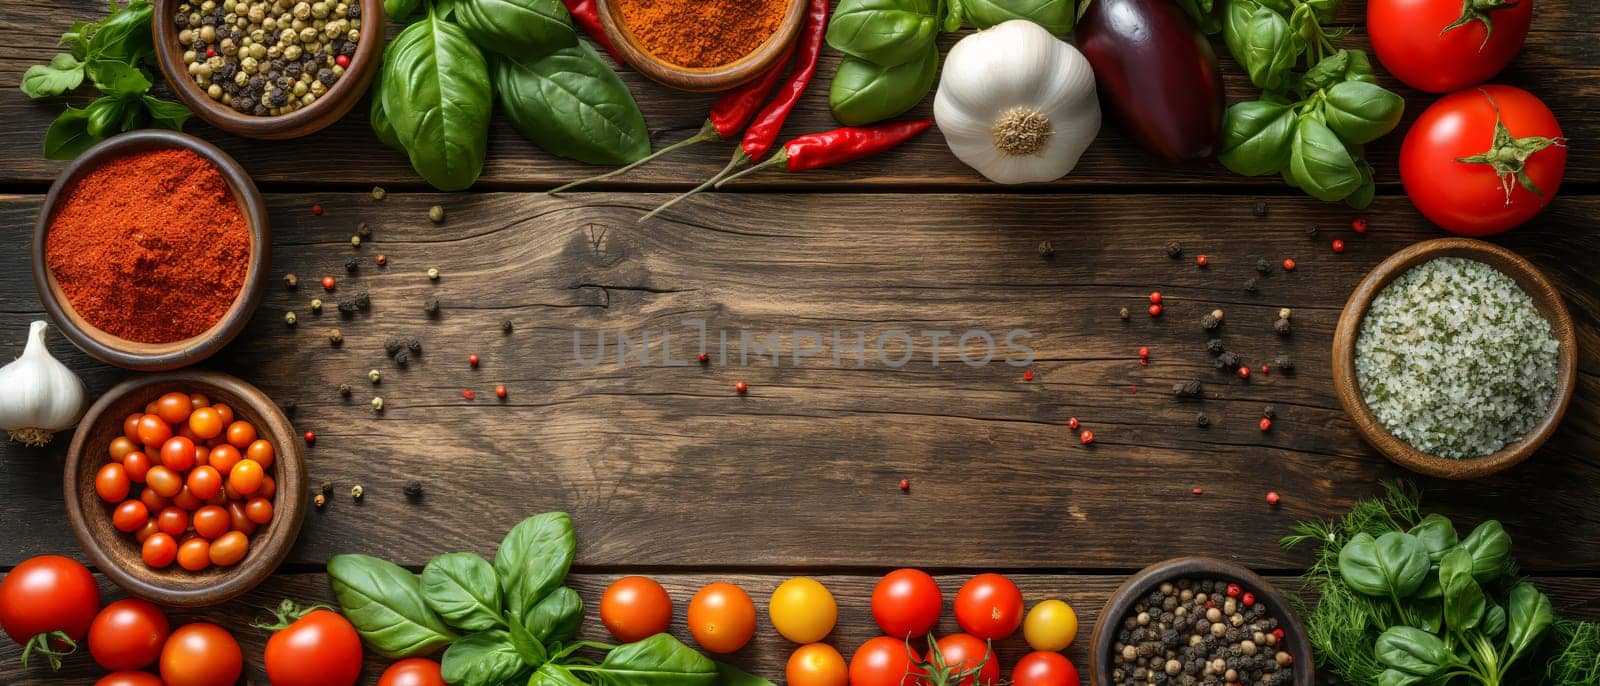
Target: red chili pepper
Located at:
point(728, 118)
point(587, 15)
point(758, 139)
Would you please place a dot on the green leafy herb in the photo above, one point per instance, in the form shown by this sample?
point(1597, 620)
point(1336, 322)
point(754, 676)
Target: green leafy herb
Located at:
point(572, 104)
point(1056, 16)
point(463, 589)
point(885, 32)
point(522, 28)
point(385, 604)
point(62, 74)
point(557, 617)
point(436, 96)
point(863, 92)
point(660, 660)
point(486, 658)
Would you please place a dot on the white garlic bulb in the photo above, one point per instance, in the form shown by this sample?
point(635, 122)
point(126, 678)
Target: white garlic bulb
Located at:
point(38, 395)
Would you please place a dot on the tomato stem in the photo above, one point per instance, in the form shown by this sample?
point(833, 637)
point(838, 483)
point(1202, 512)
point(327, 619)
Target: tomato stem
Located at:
point(41, 643)
point(1508, 155)
point(288, 612)
point(1478, 10)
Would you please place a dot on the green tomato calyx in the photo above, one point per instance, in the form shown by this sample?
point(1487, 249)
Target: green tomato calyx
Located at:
point(1478, 10)
point(1508, 155)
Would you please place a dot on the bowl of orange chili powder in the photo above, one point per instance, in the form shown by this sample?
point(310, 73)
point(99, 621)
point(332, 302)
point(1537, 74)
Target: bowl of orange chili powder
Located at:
point(152, 250)
point(701, 45)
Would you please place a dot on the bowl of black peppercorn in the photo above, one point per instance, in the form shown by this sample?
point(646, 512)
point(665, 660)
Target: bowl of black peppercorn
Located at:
point(1186, 621)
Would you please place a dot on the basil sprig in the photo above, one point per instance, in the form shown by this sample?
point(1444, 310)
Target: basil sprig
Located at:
point(1319, 104)
point(512, 621)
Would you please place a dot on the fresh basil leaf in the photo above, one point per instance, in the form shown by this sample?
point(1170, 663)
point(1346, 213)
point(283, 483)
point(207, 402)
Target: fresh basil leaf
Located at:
point(436, 95)
point(532, 652)
point(1360, 68)
point(385, 604)
point(124, 36)
point(1236, 25)
point(1437, 534)
point(533, 561)
point(1463, 598)
point(377, 117)
point(165, 113)
point(552, 674)
point(1325, 73)
point(885, 32)
point(1395, 677)
point(1284, 7)
point(1271, 49)
point(105, 114)
point(76, 39)
point(526, 29)
point(1361, 198)
point(398, 10)
point(863, 93)
point(1256, 136)
point(1056, 16)
point(486, 658)
point(1394, 564)
point(62, 74)
point(1324, 168)
point(1494, 620)
point(572, 104)
point(1322, 9)
point(1490, 547)
point(729, 675)
point(1362, 112)
point(68, 135)
point(116, 78)
point(1529, 615)
point(463, 590)
point(134, 116)
point(660, 660)
point(1413, 651)
point(557, 617)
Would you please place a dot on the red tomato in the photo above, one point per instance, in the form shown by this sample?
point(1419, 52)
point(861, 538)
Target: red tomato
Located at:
point(174, 407)
point(211, 521)
point(228, 549)
point(206, 423)
point(153, 431)
point(883, 661)
point(137, 465)
point(129, 679)
point(146, 531)
point(258, 510)
point(989, 607)
point(195, 554)
point(187, 500)
point(238, 519)
point(130, 426)
point(722, 617)
point(201, 654)
point(416, 671)
point(128, 634)
point(223, 458)
point(260, 450)
point(906, 603)
point(320, 648)
point(1472, 198)
point(960, 654)
point(205, 482)
point(130, 516)
point(45, 594)
point(165, 482)
point(245, 477)
point(159, 550)
point(634, 608)
point(241, 434)
point(224, 413)
point(154, 501)
point(173, 521)
point(1415, 42)
point(178, 453)
point(112, 483)
point(816, 664)
point(120, 447)
point(1044, 668)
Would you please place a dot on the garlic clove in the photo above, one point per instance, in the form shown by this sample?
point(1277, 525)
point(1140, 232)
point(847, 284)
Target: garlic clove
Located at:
point(42, 396)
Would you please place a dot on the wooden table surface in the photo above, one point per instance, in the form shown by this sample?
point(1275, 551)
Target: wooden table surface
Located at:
point(666, 471)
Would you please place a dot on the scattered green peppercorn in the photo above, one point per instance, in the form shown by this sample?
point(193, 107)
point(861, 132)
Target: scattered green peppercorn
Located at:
point(1123, 314)
point(355, 241)
point(363, 230)
point(316, 304)
point(377, 404)
point(430, 306)
point(288, 318)
point(433, 273)
point(290, 281)
point(357, 491)
point(344, 390)
point(378, 192)
point(436, 214)
point(335, 337)
point(374, 376)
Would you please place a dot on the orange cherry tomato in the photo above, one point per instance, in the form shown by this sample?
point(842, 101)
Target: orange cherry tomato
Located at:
point(258, 510)
point(195, 554)
point(137, 465)
point(186, 432)
point(415, 671)
point(150, 407)
point(212, 521)
point(240, 434)
point(201, 654)
point(205, 482)
point(206, 423)
point(238, 520)
point(221, 498)
point(159, 550)
point(130, 516)
point(224, 413)
point(268, 487)
point(153, 431)
point(121, 446)
point(173, 521)
point(634, 608)
point(722, 617)
point(245, 477)
point(177, 453)
point(146, 531)
point(174, 407)
point(229, 549)
point(111, 483)
point(130, 678)
point(198, 400)
point(224, 457)
point(165, 482)
point(817, 664)
point(202, 455)
point(153, 500)
point(260, 450)
point(130, 426)
point(187, 501)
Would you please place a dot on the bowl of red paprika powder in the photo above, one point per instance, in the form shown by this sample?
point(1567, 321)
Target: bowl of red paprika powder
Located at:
point(702, 46)
point(152, 250)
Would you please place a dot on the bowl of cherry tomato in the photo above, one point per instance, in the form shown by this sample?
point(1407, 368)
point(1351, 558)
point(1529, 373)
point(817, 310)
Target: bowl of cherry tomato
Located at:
point(185, 488)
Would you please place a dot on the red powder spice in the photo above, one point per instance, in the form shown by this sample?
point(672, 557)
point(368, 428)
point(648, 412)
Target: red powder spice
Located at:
point(150, 246)
point(702, 33)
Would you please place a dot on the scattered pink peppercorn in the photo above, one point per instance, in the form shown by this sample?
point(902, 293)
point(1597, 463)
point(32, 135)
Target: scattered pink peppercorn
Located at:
point(1273, 498)
point(472, 360)
point(1234, 590)
point(1244, 372)
point(1359, 225)
point(212, 52)
point(1202, 261)
point(1086, 437)
point(704, 358)
point(1155, 297)
point(1072, 423)
point(1266, 368)
point(311, 437)
point(316, 207)
point(1144, 351)
point(500, 391)
point(1248, 598)
point(1198, 491)
point(343, 61)
point(1338, 245)
point(1288, 264)
point(468, 394)
point(328, 283)
point(1027, 375)
point(905, 484)
point(1266, 424)
point(1155, 310)
point(740, 387)
point(1278, 634)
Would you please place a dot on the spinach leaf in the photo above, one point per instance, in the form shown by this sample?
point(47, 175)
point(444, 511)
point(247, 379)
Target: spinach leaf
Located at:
point(1413, 651)
point(1494, 620)
point(1395, 677)
point(660, 660)
point(1529, 615)
point(1056, 16)
point(116, 78)
point(1323, 167)
point(552, 674)
point(863, 92)
point(1256, 136)
point(68, 135)
point(486, 658)
point(166, 113)
point(436, 95)
point(62, 74)
point(398, 10)
point(1463, 598)
point(463, 589)
point(1427, 615)
point(884, 32)
point(557, 617)
point(1490, 547)
point(1395, 564)
point(1362, 112)
point(526, 29)
point(955, 14)
point(729, 675)
point(572, 104)
point(533, 561)
point(1436, 534)
point(385, 604)
point(1270, 49)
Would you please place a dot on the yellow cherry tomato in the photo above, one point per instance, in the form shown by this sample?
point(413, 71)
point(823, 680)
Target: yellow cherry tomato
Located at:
point(1050, 626)
point(817, 664)
point(803, 610)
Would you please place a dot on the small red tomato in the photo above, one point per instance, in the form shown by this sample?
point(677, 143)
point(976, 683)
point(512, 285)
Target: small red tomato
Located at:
point(130, 516)
point(989, 606)
point(906, 603)
point(137, 464)
point(206, 423)
point(317, 648)
point(721, 617)
point(224, 413)
point(194, 554)
point(154, 501)
point(165, 482)
point(211, 521)
point(201, 654)
point(963, 653)
point(177, 453)
point(111, 482)
point(146, 531)
point(223, 458)
point(1044, 668)
point(130, 678)
point(258, 510)
point(241, 434)
point(228, 549)
point(883, 661)
point(245, 477)
point(260, 450)
point(205, 482)
point(186, 500)
point(120, 447)
point(128, 634)
point(238, 520)
point(159, 550)
point(153, 431)
point(634, 608)
point(46, 594)
point(416, 671)
point(173, 521)
point(130, 426)
point(174, 407)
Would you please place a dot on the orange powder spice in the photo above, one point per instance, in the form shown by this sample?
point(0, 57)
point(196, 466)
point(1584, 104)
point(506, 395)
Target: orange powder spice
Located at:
point(150, 246)
point(702, 33)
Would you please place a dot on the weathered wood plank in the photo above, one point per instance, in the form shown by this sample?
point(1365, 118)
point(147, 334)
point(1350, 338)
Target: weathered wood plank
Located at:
point(1561, 63)
point(666, 466)
point(765, 655)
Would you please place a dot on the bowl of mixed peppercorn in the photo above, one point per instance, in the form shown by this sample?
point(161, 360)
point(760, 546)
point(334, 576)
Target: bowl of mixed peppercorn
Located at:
point(1199, 621)
point(270, 69)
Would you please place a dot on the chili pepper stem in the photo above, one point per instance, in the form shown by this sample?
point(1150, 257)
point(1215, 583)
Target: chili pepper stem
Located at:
point(708, 132)
point(779, 158)
point(739, 158)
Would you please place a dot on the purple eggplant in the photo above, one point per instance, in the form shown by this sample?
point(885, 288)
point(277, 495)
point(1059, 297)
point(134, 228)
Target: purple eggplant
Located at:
point(1155, 69)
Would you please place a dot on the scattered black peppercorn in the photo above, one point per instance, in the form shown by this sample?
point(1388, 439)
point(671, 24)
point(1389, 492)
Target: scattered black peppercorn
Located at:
point(505, 326)
point(1263, 266)
point(344, 390)
point(1228, 360)
point(1201, 420)
point(1214, 346)
point(359, 301)
point(1209, 322)
point(1174, 250)
point(414, 345)
point(430, 306)
point(362, 229)
point(327, 488)
point(1253, 284)
point(413, 490)
point(1269, 412)
point(1259, 209)
point(392, 346)
point(1282, 327)
point(351, 265)
point(402, 358)
point(1192, 389)
point(1311, 231)
point(1283, 363)
point(1047, 249)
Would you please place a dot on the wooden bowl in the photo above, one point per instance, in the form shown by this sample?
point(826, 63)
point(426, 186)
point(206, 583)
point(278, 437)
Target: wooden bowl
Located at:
point(1198, 569)
point(155, 356)
point(117, 555)
point(307, 120)
point(700, 79)
point(1545, 298)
